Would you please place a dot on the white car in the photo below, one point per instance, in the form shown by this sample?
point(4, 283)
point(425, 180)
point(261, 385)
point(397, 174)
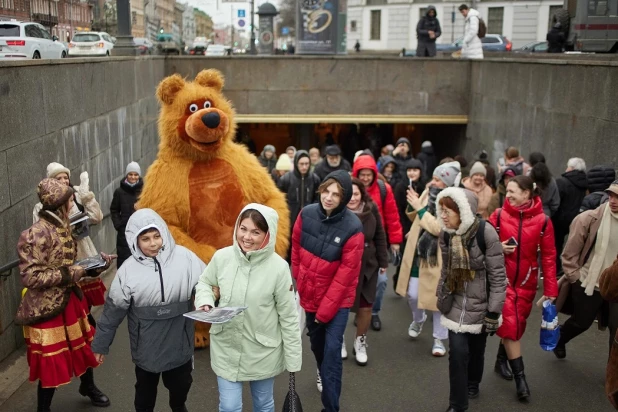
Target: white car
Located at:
point(30, 39)
point(91, 43)
point(8, 54)
point(216, 50)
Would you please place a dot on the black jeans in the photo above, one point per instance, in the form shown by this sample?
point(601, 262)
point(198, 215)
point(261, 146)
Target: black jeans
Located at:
point(177, 381)
point(585, 311)
point(465, 363)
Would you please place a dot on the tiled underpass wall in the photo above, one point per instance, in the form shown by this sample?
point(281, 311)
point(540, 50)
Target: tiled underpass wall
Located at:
point(89, 116)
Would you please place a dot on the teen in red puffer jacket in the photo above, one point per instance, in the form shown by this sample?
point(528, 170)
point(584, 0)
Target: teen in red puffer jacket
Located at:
point(522, 218)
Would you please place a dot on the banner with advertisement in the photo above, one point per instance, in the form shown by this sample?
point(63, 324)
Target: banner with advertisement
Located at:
point(266, 35)
point(321, 26)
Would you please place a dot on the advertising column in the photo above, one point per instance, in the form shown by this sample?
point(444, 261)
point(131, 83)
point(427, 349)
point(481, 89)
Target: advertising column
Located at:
point(321, 27)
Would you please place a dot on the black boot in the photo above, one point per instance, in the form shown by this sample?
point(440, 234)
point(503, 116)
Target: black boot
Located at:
point(89, 389)
point(376, 323)
point(180, 409)
point(473, 390)
point(560, 350)
point(502, 366)
point(44, 398)
point(517, 365)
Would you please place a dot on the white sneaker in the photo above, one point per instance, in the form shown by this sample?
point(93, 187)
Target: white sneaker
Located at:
point(415, 329)
point(438, 348)
point(344, 351)
point(360, 350)
point(319, 382)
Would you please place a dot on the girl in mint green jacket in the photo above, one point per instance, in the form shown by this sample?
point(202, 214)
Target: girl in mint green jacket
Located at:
point(264, 340)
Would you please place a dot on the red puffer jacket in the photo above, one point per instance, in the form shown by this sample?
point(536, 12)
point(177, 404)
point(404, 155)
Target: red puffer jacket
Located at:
point(388, 211)
point(522, 265)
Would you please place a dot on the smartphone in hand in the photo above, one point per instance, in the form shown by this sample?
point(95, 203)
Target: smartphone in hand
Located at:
point(512, 242)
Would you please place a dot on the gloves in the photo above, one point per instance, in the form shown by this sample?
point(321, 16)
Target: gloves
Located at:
point(84, 182)
point(490, 323)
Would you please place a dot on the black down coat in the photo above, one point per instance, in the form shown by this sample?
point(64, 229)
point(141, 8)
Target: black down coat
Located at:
point(572, 187)
point(300, 190)
point(123, 206)
point(375, 254)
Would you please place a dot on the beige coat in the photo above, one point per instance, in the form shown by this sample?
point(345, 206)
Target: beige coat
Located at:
point(428, 276)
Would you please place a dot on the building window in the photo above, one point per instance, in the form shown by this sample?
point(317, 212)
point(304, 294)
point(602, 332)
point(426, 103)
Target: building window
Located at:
point(495, 18)
point(352, 25)
point(375, 2)
point(134, 17)
point(376, 17)
point(552, 11)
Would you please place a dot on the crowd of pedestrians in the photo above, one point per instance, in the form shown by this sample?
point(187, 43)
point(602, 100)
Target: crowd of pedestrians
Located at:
point(471, 246)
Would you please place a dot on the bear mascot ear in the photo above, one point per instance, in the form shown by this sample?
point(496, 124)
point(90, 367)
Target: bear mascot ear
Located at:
point(210, 78)
point(168, 89)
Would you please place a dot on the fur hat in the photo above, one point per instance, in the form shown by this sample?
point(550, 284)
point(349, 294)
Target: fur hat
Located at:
point(133, 167)
point(284, 163)
point(478, 169)
point(449, 173)
point(54, 169)
point(53, 194)
point(269, 148)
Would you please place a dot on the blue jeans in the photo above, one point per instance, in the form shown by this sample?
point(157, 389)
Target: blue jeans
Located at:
point(380, 289)
point(230, 395)
point(326, 340)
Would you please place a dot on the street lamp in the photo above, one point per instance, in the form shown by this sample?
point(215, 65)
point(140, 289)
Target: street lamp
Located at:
point(124, 45)
point(253, 49)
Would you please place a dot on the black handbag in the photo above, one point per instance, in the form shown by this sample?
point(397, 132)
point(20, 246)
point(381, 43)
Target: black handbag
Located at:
point(292, 401)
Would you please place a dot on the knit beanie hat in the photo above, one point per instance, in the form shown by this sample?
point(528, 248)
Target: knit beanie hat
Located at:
point(478, 168)
point(133, 167)
point(426, 143)
point(284, 163)
point(404, 140)
point(54, 169)
point(269, 148)
point(449, 173)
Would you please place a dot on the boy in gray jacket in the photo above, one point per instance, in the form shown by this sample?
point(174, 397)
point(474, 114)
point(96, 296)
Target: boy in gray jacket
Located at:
point(154, 289)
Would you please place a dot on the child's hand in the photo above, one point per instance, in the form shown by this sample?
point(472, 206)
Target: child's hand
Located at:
point(100, 358)
point(217, 292)
point(205, 308)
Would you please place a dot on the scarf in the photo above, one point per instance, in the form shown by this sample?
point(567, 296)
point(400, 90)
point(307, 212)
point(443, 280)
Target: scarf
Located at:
point(459, 271)
point(131, 184)
point(603, 258)
point(359, 209)
point(427, 249)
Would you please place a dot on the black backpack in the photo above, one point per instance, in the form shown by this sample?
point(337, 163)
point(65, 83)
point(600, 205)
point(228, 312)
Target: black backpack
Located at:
point(382, 187)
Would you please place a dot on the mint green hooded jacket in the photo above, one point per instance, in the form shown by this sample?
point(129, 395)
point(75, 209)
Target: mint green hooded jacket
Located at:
point(264, 340)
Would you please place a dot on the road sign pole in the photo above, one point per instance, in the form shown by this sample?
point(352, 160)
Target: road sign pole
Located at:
point(253, 50)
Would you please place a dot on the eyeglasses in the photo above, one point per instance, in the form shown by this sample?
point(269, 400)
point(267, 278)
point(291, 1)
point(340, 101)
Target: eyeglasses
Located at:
point(445, 212)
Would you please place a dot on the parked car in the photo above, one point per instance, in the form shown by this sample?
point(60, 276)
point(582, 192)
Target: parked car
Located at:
point(216, 50)
point(143, 45)
point(199, 46)
point(491, 42)
point(533, 47)
point(168, 44)
point(8, 54)
point(91, 43)
point(31, 39)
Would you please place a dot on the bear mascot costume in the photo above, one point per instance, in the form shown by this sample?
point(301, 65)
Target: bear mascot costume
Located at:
point(201, 180)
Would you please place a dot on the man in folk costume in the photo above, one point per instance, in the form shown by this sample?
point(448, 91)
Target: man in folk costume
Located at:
point(591, 248)
point(53, 310)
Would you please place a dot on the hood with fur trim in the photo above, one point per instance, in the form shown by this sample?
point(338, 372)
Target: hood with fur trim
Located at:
point(467, 202)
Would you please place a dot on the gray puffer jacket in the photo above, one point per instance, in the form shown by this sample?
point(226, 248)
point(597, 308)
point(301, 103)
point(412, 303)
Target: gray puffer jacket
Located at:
point(463, 312)
point(154, 293)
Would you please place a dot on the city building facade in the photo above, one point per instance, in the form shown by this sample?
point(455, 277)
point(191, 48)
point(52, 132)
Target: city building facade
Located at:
point(188, 25)
point(390, 25)
point(138, 27)
point(203, 24)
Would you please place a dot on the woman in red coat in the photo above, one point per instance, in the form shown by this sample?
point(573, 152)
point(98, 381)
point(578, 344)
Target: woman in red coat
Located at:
point(525, 231)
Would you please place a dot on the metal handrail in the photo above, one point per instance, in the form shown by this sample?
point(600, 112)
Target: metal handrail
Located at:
point(5, 271)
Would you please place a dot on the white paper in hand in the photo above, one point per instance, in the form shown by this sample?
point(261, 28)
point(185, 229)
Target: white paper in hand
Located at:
point(215, 315)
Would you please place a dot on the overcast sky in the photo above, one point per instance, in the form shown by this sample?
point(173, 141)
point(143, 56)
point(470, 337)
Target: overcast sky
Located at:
point(221, 12)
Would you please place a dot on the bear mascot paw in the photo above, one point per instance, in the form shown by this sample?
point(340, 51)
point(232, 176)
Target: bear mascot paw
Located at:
point(201, 179)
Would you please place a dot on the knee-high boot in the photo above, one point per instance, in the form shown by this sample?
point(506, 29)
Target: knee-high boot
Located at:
point(44, 398)
point(502, 365)
point(517, 365)
point(89, 389)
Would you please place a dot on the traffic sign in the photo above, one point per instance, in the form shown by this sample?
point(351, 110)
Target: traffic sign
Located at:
point(241, 13)
point(285, 31)
point(241, 23)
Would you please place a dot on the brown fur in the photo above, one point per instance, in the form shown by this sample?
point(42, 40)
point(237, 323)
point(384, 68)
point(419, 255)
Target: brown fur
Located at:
point(201, 179)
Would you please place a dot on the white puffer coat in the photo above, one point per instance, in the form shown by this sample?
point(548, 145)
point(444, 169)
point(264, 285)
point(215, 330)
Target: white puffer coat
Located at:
point(472, 47)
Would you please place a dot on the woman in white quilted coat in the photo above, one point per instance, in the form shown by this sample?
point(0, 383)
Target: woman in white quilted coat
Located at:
point(472, 47)
point(93, 288)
